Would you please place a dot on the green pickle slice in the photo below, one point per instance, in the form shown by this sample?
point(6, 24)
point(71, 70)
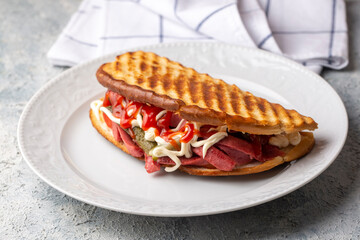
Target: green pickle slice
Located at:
point(140, 140)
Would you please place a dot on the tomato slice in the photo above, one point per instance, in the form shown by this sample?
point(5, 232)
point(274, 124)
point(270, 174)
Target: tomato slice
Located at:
point(106, 101)
point(164, 122)
point(107, 120)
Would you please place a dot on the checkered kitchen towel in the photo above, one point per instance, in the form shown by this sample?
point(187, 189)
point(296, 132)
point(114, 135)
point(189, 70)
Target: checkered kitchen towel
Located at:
point(313, 33)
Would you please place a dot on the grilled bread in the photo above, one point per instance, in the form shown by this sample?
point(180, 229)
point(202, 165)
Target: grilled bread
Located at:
point(292, 153)
point(149, 78)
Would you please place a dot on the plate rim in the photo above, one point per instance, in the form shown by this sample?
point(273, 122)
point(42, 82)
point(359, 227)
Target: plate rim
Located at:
point(276, 195)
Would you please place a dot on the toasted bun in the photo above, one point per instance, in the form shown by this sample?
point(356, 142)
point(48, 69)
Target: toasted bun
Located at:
point(292, 153)
point(148, 78)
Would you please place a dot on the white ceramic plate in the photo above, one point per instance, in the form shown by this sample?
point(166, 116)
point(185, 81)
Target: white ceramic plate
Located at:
point(60, 145)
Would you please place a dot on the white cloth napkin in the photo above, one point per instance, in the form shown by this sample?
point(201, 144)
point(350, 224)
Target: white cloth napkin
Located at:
point(313, 33)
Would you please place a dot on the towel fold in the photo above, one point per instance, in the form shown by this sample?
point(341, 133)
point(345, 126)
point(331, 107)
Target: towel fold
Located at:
point(314, 33)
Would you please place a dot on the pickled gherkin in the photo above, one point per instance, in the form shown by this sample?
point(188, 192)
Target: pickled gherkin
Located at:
point(140, 140)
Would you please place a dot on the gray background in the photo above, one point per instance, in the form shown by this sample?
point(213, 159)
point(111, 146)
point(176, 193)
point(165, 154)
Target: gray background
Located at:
point(327, 207)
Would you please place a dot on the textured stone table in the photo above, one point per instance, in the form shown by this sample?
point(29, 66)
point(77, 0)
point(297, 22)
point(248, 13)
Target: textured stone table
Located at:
point(326, 208)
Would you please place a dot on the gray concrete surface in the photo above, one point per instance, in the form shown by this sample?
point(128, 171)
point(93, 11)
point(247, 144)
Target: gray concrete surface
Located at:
point(326, 208)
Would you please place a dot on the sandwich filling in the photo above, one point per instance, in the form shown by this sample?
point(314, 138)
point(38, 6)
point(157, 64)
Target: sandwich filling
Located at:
point(163, 138)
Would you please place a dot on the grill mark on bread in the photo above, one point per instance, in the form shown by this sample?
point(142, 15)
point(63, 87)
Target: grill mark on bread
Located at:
point(286, 116)
point(270, 113)
point(258, 108)
point(220, 97)
point(288, 113)
point(180, 85)
point(282, 114)
point(186, 88)
point(195, 88)
point(129, 64)
point(274, 107)
point(275, 113)
point(243, 111)
point(160, 71)
point(153, 81)
point(296, 117)
point(152, 72)
point(117, 65)
point(249, 102)
point(143, 66)
point(167, 82)
point(139, 81)
point(235, 101)
point(208, 95)
point(143, 59)
point(131, 56)
point(261, 104)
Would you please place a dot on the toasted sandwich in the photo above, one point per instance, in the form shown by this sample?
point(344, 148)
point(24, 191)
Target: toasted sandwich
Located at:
point(171, 116)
